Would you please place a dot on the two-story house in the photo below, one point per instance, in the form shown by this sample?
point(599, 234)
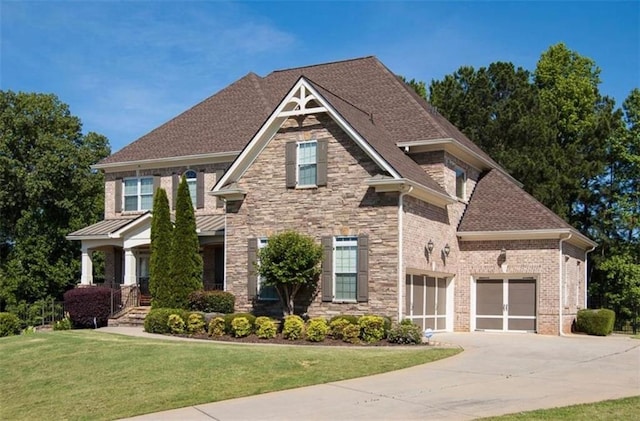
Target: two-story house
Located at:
point(415, 220)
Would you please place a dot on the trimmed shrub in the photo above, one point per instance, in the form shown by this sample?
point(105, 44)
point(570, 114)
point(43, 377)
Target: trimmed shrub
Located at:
point(86, 304)
point(405, 333)
point(351, 334)
point(240, 327)
point(195, 323)
point(293, 327)
point(371, 328)
point(158, 318)
point(212, 301)
point(336, 327)
point(64, 324)
point(348, 317)
point(265, 328)
point(175, 323)
point(216, 327)
point(9, 324)
point(317, 329)
point(596, 322)
point(228, 319)
point(29, 330)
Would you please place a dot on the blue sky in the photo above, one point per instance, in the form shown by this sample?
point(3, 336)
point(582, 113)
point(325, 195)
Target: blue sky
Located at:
point(125, 67)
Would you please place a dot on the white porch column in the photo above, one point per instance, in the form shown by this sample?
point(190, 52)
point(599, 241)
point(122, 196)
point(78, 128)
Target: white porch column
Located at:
point(130, 277)
point(86, 276)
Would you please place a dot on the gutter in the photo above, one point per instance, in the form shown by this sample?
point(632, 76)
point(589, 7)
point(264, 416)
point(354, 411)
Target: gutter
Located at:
point(404, 191)
point(560, 284)
point(586, 267)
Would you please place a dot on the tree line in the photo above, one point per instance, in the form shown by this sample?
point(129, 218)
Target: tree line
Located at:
point(570, 146)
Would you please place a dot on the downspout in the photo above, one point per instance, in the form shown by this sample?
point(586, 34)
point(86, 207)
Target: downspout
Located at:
point(403, 191)
point(224, 263)
point(586, 271)
point(560, 284)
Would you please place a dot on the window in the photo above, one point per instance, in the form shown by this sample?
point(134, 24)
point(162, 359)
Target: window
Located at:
point(345, 268)
point(192, 182)
point(307, 163)
point(138, 193)
point(461, 181)
point(267, 293)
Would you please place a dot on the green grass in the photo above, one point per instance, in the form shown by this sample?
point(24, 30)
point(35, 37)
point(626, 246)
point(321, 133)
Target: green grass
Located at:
point(614, 410)
point(86, 374)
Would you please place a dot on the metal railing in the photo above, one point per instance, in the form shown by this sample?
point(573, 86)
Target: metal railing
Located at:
point(41, 313)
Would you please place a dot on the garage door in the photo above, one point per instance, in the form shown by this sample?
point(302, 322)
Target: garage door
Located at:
point(426, 301)
point(506, 304)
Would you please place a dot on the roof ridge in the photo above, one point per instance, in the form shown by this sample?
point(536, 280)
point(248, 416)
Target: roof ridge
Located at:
point(322, 64)
point(368, 113)
point(257, 82)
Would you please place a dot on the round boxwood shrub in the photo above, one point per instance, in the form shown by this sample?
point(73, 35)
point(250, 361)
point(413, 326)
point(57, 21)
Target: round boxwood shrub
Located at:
point(336, 328)
point(351, 333)
point(216, 327)
point(405, 333)
point(265, 328)
point(195, 323)
point(212, 301)
point(317, 329)
point(240, 327)
point(158, 318)
point(228, 319)
point(85, 305)
point(175, 323)
point(9, 324)
point(371, 328)
point(293, 327)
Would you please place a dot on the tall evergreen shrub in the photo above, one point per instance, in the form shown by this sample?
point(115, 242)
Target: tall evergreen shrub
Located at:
point(186, 262)
point(160, 266)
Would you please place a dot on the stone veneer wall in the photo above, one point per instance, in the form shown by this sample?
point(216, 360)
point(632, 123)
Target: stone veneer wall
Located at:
point(166, 183)
point(346, 206)
point(536, 258)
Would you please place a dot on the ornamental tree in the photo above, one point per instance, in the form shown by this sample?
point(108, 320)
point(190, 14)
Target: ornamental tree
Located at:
point(160, 266)
point(289, 262)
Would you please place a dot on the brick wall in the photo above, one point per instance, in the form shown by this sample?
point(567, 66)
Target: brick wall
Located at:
point(346, 206)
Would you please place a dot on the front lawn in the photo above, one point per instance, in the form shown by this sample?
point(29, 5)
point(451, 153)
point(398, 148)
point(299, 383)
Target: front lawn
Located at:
point(613, 410)
point(85, 374)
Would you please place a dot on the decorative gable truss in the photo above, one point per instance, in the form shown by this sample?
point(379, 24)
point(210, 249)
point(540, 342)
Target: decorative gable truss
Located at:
point(303, 99)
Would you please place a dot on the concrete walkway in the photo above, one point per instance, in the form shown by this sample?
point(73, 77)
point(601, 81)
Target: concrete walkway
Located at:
point(496, 374)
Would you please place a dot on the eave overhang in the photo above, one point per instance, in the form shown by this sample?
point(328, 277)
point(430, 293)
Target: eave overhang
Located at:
point(403, 185)
point(174, 161)
point(454, 148)
point(576, 237)
point(229, 194)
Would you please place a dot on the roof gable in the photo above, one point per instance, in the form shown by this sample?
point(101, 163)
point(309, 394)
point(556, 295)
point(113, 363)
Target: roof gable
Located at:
point(497, 204)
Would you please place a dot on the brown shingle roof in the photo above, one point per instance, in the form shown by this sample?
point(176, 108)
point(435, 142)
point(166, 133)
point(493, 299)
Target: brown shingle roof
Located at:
point(497, 204)
point(227, 121)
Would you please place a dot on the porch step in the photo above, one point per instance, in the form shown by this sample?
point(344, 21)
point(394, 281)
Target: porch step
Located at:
point(134, 317)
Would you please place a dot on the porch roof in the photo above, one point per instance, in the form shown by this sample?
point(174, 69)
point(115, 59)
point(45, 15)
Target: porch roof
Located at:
point(206, 225)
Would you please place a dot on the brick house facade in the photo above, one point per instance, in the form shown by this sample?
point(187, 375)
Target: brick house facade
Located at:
point(415, 220)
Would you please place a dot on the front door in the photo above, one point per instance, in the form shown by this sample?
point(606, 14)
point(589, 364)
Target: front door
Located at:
point(506, 304)
point(143, 273)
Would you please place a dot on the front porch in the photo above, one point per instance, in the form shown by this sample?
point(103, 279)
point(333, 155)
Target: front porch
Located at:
point(125, 244)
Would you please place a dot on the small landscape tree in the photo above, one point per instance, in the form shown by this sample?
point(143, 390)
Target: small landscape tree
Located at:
point(289, 262)
point(186, 262)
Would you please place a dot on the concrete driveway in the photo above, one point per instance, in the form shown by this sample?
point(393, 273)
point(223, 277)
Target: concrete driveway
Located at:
point(496, 374)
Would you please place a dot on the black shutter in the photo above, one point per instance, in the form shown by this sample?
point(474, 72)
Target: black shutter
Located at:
point(362, 289)
point(118, 193)
point(175, 182)
point(252, 279)
point(200, 190)
point(290, 164)
point(327, 269)
point(321, 161)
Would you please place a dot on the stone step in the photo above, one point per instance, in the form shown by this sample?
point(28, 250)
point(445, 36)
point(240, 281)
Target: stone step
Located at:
point(134, 317)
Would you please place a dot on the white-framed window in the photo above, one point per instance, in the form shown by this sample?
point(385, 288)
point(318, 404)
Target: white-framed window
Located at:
point(138, 193)
point(266, 293)
point(192, 182)
point(307, 167)
point(345, 268)
point(461, 183)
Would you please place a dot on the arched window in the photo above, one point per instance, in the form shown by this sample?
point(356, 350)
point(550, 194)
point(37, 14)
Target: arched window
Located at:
point(192, 182)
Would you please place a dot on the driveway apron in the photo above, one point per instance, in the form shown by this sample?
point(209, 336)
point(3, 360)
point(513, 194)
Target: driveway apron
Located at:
point(496, 374)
